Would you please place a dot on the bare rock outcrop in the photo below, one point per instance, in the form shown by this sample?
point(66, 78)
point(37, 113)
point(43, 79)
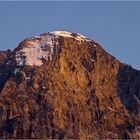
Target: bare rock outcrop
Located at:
point(64, 85)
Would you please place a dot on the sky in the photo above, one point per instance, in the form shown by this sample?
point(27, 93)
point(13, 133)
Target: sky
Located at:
point(114, 25)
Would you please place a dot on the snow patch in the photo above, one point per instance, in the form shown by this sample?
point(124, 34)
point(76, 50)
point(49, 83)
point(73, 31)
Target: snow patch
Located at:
point(78, 36)
point(62, 33)
point(36, 37)
point(16, 71)
point(36, 51)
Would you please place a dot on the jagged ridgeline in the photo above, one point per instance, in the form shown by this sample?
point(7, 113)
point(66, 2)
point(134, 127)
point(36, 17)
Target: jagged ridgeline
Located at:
point(65, 85)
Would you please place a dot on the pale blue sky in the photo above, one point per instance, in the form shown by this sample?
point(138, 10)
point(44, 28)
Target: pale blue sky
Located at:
point(115, 25)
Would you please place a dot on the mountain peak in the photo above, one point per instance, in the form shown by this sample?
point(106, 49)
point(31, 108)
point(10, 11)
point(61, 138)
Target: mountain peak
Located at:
point(64, 85)
point(32, 51)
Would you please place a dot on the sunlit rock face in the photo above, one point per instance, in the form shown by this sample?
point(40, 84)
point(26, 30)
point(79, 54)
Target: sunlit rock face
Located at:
point(34, 50)
point(64, 85)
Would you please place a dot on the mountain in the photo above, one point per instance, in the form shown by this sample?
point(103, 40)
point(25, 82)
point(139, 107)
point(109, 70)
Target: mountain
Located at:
point(65, 85)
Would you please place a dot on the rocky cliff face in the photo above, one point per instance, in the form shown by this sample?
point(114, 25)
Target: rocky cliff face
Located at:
point(64, 85)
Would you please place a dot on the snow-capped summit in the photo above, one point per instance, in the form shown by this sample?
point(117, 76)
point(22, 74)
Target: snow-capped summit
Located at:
point(32, 51)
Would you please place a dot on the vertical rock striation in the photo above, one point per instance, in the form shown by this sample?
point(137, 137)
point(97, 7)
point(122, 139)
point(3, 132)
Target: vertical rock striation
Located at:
point(65, 85)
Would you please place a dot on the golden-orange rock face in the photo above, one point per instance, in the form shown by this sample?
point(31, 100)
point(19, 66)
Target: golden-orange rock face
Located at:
point(82, 92)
